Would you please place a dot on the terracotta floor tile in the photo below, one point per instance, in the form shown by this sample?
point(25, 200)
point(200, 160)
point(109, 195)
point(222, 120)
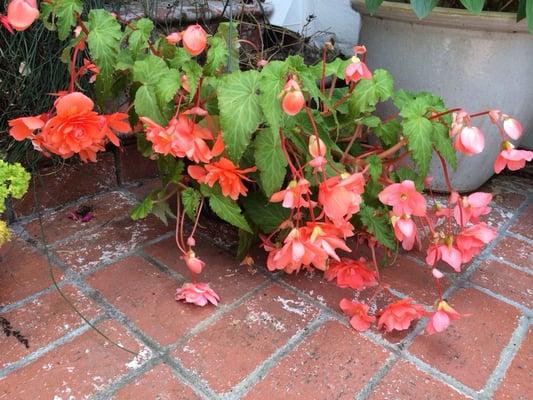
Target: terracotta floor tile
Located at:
point(516, 251)
point(524, 223)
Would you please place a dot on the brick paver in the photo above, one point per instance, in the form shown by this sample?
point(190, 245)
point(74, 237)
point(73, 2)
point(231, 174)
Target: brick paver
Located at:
point(273, 336)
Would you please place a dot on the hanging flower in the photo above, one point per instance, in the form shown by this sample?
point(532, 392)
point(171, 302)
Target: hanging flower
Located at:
point(317, 149)
point(351, 273)
point(194, 39)
point(470, 140)
point(197, 293)
point(511, 158)
point(174, 38)
point(358, 314)
point(440, 319)
point(228, 176)
point(404, 199)
point(194, 264)
point(293, 98)
point(292, 196)
point(326, 236)
point(340, 196)
point(404, 230)
point(471, 240)
point(399, 315)
point(22, 13)
point(472, 207)
point(356, 70)
point(444, 249)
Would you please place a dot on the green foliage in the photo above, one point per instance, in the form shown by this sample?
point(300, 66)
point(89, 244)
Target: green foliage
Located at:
point(377, 223)
point(138, 39)
point(423, 7)
point(226, 208)
point(375, 167)
point(369, 91)
point(270, 160)
point(61, 15)
point(267, 216)
point(474, 6)
point(14, 181)
point(372, 5)
point(217, 55)
point(418, 131)
point(271, 85)
point(190, 199)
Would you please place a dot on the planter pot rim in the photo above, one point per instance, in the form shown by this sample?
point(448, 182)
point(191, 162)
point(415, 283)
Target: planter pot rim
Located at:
point(446, 17)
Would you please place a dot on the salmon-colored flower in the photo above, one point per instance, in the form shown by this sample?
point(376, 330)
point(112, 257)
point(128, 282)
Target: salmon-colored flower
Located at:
point(444, 249)
point(194, 264)
point(5, 23)
point(174, 38)
point(228, 176)
point(74, 129)
point(293, 98)
point(404, 230)
point(197, 293)
point(512, 127)
point(317, 149)
point(292, 196)
point(470, 140)
point(511, 158)
point(471, 240)
point(194, 39)
point(471, 207)
point(340, 196)
point(356, 70)
point(399, 315)
point(22, 13)
point(404, 199)
point(440, 319)
point(358, 313)
point(351, 273)
point(326, 236)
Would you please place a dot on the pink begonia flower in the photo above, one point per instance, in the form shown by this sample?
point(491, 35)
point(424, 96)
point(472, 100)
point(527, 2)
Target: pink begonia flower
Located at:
point(22, 13)
point(317, 149)
point(293, 98)
point(445, 251)
point(471, 240)
point(511, 158)
point(194, 264)
point(197, 293)
point(194, 39)
point(472, 207)
point(340, 196)
point(174, 38)
point(5, 23)
point(437, 274)
point(404, 230)
point(326, 236)
point(470, 140)
point(292, 196)
point(460, 119)
point(358, 313)
point(356, 70)
point(440, 319)
point(399, 315)
point(404, 199)
point(512, 127)
point(351, 273)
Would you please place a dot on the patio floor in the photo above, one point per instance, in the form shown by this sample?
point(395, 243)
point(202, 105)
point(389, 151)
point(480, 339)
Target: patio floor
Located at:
point(273, 336)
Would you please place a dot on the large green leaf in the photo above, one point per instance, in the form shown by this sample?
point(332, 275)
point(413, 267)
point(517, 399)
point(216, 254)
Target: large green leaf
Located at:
point(142, 209)
point(66, 12)
point(423, 7)
point(217, 55)
point(388, 132)
point(150, 70)
point(240, 112)
point(146, 104)
point(474, 6)
point(377, 223)
point(228, 210)
point(138, 39)
point(104, 40)
point(167, 86)
point(369, 91)
point(271, 85)
point(229, 33)
point(267, 216)
point(418, 131)
point(270, 160)
point(443, 143)
point(372, 5)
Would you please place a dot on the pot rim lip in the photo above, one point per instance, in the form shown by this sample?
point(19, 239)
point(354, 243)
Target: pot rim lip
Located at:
point(446, 17)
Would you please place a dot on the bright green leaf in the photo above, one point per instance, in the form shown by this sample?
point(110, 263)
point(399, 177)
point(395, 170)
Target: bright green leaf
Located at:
point(191, 200)
point(104, 40)
point(65, 12)
point(388, 132)
point(146, 105)
point(375, 167)
point(378, 224)
point(271, 85)
point(142, 209)
point(529, 15)
point(138, 39)
point(217, 55)
point(474, 6)
point(168, 85)
point(270, 160)
point(228, 210)
point(443, 143)
point(419, 131)
point(369, 91)
point(150, 70)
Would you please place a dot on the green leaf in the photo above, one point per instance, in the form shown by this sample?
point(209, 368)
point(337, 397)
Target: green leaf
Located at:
point(146, 105)
point(168, 86)
point(474, 6)
point(423, 7)
point(267, 216)
point(388, 132)
point(419, 131)
point(217, 55)
point(378, 224)
point(270, 160)
point(150, 70)
point(191, 200)
point(142, 209)
point(443, 143)
point(170, 169)
point(246, 240)
point(65, 12)
point(228, 210)
point(138, 39)
point(529, 15)
point(271, 84)
point(240, 112)
point(368, 92)
point(230, 34)
point(371, 121)
point(162, 211)
point(375, 167)
point(372, 5)
point(193, 72)
point(180, 58)
point(403, 173)
point(104, 41)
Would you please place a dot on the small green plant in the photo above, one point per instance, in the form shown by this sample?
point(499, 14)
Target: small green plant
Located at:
point(14, 181)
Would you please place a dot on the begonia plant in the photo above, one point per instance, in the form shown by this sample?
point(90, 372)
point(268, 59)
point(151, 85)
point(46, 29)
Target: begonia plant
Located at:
point(293, 155)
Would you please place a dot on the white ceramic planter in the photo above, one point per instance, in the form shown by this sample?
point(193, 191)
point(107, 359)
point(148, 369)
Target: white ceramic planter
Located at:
point(474, 62)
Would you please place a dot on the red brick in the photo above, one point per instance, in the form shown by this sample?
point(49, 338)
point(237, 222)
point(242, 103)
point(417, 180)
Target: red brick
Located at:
point(222, 271)
point(498, 216)
point(57, 225)
point(75, 370)
point(44, 320)
point(506, 191)
point(406, 382)
point(60, 184)
point(470, 349)
point(110, 242)
point(524, 223)
point(23, 271)
point(227, 351)
point(333, 363)
point(141, 189)
point(507, 281)
point(518, 381)
point(158, 383)
point(147, 299)
point(133, 165)
point(516, 251)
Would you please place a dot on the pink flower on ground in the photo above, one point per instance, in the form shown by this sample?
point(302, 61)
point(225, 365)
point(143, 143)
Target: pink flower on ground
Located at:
point(471, 240)
point(340, 196)
point(356, 71)
point(194, 39)
point(358, 313)
point(317, 149)
point(446, 251)
point(194, 264)
point(404, 230)
point(471, 207)
point(404, 199)
point(292, 196)
point(293, 98)
point(351, 273)
point(197, 293)
point(22, 13)
point(511, 158)
point(399, 315)
point(470, 140)
point(440, 319)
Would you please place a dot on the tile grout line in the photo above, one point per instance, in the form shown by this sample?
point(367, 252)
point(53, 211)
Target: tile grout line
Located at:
point(374, 381)
point(509, 264)
point(528, 312)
